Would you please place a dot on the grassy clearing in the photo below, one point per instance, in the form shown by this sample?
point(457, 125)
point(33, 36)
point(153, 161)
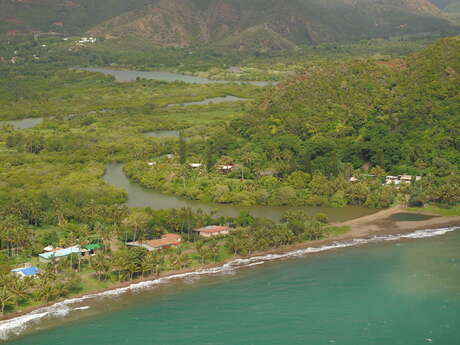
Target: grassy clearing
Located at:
point(449, 211)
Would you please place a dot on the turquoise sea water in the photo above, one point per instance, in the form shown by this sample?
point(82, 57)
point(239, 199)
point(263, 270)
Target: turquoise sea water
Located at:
point(390, 293)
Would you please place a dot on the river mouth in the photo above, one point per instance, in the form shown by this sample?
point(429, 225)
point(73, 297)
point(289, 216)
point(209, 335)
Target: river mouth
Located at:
point(139, 196)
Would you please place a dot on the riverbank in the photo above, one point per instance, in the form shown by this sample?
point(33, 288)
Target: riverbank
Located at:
point(361, 229)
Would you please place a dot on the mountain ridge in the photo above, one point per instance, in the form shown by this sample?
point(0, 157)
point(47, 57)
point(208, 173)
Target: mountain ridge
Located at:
point(288, 23)
point(260, 24)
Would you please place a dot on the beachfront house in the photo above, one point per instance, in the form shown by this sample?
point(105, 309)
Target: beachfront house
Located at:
point(47, 257)
point(29, 271)
point(213, 230)
point(166, 241)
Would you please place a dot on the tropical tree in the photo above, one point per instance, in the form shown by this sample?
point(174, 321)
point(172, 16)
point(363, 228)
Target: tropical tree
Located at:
point(101, 264)
point(6, 298)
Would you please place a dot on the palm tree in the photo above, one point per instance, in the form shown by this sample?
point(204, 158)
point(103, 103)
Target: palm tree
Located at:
point(47, 292)
point(19, 288)
point(214, 250)
point(200, 249)
point(101, 264)
point(6, 298)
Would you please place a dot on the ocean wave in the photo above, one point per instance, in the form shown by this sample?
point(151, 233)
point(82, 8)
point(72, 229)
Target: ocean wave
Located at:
point(18, 325)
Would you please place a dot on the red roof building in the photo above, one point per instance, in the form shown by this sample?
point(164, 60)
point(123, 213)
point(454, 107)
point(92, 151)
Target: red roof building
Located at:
point(213, 230)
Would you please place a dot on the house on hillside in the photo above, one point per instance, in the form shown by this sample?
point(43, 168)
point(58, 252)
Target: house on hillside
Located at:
point(225, 169)
point(401, 179)
point(166, 241)
point(213, 230)
point(87, 40)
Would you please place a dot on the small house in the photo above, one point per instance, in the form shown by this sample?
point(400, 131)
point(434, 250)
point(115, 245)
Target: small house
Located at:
point(401, 179)
point(195, 165)
point(225, 169)
point(407, 179)
point(213, 230)
point(389, 180)
point(166, 241)
point(353, 179)
point(26, 272)
point(58, 254)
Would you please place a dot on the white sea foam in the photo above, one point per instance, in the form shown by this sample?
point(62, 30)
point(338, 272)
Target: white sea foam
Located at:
point(19, 324)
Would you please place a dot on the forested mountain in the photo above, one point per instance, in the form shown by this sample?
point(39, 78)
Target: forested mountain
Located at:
point(230, 23)
point(400, 115)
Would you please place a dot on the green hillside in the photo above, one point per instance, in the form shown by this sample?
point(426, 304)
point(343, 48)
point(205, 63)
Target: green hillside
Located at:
point(400, 115)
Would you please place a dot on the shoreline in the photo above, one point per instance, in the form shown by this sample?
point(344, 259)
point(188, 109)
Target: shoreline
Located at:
point(367, 227)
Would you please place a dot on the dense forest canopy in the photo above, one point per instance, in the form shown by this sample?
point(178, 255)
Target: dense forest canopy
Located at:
point(401, 115)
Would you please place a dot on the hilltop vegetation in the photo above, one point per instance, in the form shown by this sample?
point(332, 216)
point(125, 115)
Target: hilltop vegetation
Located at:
point(399, 114)
point(302, 141)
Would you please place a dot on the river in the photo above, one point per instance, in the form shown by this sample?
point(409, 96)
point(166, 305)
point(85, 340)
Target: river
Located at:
point(129, 75)
point(139, 196)
point(404, 292)
point(24, 123)
point(212, 100)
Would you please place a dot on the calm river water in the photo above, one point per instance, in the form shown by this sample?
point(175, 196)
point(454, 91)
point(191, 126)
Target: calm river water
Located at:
point(24, 123)
point(139, 196)
point(390, 293)
point(127, 75)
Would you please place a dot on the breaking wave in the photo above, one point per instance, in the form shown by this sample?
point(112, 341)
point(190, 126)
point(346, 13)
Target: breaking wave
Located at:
point(19, 324)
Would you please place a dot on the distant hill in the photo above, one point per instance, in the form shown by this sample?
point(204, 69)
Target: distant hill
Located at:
point(71, 17)
point(261, 24)
point(450, 7)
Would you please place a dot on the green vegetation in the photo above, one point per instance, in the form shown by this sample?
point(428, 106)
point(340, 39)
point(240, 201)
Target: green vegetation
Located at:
point(36, 90)
point(301, 143)
point(298, 143)
point(443, 210)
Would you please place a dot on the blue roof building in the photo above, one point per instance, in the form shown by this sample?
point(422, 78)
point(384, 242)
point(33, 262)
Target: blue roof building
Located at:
point(48, 256)
point(26, 271)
